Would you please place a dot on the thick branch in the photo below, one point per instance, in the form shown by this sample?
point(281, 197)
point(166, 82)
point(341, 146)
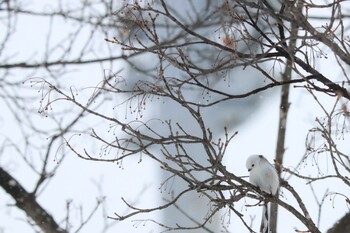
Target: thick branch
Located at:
point(284, 107)
point(27, 202)
point(343, 225)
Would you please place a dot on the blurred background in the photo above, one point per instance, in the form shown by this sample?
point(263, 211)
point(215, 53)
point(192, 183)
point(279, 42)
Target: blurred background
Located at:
point(63, 43)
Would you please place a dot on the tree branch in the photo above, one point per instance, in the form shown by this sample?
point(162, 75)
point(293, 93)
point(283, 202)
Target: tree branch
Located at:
point(27, 202)
point(343, 225)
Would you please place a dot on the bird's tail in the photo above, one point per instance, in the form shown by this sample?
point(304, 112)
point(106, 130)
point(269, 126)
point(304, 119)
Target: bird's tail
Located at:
point(265, 222)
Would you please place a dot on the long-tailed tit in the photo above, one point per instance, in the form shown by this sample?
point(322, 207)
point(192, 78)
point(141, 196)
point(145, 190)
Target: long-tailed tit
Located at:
point(263, 175)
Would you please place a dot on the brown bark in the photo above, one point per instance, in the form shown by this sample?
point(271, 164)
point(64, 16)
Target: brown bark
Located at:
point(342, 226)
point(28, 203)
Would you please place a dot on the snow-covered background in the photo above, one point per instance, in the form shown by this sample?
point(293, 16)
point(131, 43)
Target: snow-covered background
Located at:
point(83, 181)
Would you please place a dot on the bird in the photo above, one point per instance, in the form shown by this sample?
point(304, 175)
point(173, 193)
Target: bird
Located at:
point(263, 175)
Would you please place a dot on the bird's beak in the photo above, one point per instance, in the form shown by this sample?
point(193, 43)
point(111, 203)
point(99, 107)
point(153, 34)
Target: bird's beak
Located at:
point(249, 169)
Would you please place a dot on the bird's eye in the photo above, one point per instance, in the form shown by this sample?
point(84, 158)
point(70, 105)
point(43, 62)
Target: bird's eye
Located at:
point(252, 165)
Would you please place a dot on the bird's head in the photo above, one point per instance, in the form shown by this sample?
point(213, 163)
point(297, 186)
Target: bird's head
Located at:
point(253, 161)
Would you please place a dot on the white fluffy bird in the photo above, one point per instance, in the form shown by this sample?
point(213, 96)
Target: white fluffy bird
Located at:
point(263, 175)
